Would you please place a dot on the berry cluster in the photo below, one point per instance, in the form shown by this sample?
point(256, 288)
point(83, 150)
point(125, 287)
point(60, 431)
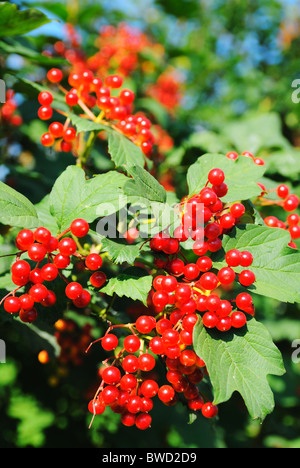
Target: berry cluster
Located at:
point(191, 287)
point(288, 202)
point(166, 90)
point(90, 93)
point(129, 384)
point(234, 156)
point(73, 341)
point(50, 255)
point(8, 112)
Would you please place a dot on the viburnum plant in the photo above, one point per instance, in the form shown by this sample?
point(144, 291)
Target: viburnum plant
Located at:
point(195, 265)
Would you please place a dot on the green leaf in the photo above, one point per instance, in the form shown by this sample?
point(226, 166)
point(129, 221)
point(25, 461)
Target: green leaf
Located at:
point(241, 361)
point(276, 266)
point(45, 217)
point(14, 47)
point(14, 22)
point(144, 185)
point(15, 209)
point(285, 163)
point(133, 287)
point(85, 125)
point(73, 196)
point(121, 252)
point(241, 176)
point(256, 133)
point(123, 152)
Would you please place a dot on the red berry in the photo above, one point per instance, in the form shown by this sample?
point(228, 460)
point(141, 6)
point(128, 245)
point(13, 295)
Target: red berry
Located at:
point(233, 258)
point(20, 269)
point(224, 309)
point(160, 299)
point(238, 210)
point(191, 271)
point(54, 75)
point(96, 407)
point(45, 98)
point(62, 261)
point(45, 112)
point(93, 261)
point(69, 134)
point(238, 319)
point(220, 190)
point(188, 357)
point(204, 264)
point(291, 203)
point(149, 388)
point(183, 293)
point(209, 281)
point(209, 410)
point(109, 342)
point(49, 272)
point(294, 232)
point(36, 276)
point(143, 421)
point(56, 129)
point(134, 404)
point(111, 375)
point(73, 290)
point(283, 191)
point(145, 324)
point(42, 235)
point(128, 419)
point(126, 97)
point(114, 81)
point(166, 393)
point(246, 259)
point(196, 404)
point(176, 267)
point(224, 324)
point(80, 228)
point(210, 319)
point(169, 283)
point(293, 219)
point(27, 302)
point(146, 362)
point(232, 155)
point(24, 239)
point(37, 252)
point(52, 245)
point(109, 394)
point(216, 177)
point(132, 343)
point(12, 305)
point(128, 383)
point(28, 316)
point(130, 363)
point(82, 300)
point(38, 292)
point(200, 248)
point(246, 278)
point(156, 345)
point(67, 247)
point(226, 276)
point(244, 301)
point(227, 221)
point(71, 99)
point(98, 279)
point(50, 300)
